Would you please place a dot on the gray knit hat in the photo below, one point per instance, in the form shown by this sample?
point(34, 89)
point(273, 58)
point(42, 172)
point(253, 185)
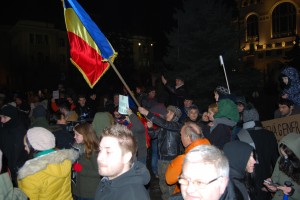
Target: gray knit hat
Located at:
point(222, 90)
point(176, 111)
point(242, 100)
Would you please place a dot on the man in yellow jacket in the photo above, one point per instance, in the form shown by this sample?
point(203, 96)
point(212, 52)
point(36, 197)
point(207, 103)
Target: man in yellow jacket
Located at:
point(191, 136)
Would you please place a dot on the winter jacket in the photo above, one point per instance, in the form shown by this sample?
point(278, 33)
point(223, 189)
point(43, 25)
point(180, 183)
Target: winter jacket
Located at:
point(293, 87)
point(168, 136)
point(292, 141)
point(129, 185)
point(177, 95)
point(88, 178)
point(101, 121)
point(220, 132)
point(12, 140)
point(139, 132)
point(83, 112)
point(227, 109)
point(48, 177)
point(238, 154)
point(225, 120)
point(266, 156)
point(175, 167)
point(63, 138)
point(7, 191)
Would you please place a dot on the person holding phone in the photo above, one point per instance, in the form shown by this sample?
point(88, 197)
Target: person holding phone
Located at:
point(287, 169)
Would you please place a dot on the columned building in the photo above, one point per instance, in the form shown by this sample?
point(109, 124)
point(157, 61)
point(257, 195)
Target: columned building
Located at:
point(269, 29)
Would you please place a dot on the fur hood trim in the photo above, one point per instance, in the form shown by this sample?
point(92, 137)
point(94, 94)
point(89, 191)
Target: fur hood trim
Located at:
point(37, 164)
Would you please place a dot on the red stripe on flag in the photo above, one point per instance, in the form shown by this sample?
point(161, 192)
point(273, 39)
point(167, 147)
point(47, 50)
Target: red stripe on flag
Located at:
point(87, 59)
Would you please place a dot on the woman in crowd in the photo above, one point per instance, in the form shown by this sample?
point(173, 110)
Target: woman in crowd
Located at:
point(286, 175)
point(86, 177)
point(47, 175)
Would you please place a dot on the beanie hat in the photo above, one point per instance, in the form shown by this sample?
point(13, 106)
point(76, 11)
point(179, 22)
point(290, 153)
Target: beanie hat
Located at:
point(222, 90)
point(176, 111)
point(250, 115)
point(241, 100)
point(9, 111)
point(40, 138)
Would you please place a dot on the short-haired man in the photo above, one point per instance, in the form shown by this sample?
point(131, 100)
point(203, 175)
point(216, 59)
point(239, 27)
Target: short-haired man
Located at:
point(286, 108)
point(205, 175)
point(123, 177)
point(169, 144)
point(191, 136)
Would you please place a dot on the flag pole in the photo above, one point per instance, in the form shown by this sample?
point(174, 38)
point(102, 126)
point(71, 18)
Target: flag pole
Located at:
point(222, 63)
point(124, 83)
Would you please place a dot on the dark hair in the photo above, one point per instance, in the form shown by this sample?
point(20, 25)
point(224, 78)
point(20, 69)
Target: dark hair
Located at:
point(286, 102)
point(64, 104)
point(290, 165)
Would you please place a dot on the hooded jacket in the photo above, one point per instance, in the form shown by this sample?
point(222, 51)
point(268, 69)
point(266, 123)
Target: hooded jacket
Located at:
point(225, 120)
point(101, 121)
point(12, 140)
point(238, 154)
point(293, 87)
point(130, 185)
point(48, 177)
point(266, 156)
point(292, 141)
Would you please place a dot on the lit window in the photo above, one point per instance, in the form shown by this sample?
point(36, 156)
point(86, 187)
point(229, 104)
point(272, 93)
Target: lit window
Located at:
point(284, 20)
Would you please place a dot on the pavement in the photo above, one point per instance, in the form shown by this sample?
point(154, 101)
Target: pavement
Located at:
point(154, 191)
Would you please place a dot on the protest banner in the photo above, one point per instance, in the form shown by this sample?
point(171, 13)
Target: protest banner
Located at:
point(283, 126)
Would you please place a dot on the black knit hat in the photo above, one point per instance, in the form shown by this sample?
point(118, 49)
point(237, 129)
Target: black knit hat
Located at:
point(9, 111)
point(222, 90)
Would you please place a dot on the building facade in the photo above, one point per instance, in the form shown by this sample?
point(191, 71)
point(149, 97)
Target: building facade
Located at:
point(269, 29)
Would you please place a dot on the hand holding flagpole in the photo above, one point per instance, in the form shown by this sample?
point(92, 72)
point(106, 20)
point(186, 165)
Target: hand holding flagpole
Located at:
point(222, 63)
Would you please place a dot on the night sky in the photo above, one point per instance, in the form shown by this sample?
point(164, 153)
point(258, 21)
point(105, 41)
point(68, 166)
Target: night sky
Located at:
point(139, 17)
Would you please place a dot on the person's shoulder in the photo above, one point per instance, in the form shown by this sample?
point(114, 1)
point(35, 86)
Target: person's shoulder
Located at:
point(296, 110)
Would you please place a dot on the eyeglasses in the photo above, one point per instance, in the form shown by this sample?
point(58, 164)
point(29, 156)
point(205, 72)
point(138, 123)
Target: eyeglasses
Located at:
point(184, 181)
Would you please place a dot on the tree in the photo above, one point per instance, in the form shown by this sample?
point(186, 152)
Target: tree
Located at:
point(205, 30)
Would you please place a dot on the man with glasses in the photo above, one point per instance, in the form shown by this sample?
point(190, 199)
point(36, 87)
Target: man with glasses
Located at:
point(205, 175)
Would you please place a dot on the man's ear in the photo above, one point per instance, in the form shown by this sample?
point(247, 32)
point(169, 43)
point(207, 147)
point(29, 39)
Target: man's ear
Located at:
point(224, 183)
point(291, 107)
point(127, 157)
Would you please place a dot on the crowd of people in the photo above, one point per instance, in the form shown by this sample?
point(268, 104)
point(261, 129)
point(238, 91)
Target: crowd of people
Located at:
point(77, 146)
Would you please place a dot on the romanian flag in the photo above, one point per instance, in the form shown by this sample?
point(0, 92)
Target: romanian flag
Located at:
point(89, 48)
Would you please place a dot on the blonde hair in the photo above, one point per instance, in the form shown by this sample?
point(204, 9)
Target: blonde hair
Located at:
point(213, 108)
